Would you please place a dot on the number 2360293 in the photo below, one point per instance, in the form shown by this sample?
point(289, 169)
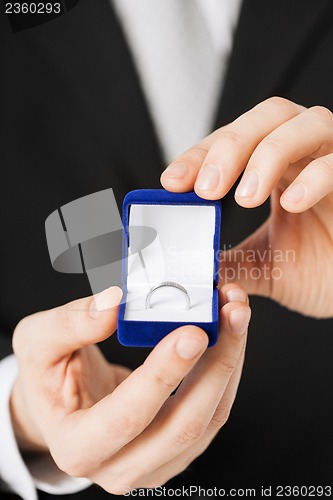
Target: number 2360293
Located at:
point(32, 8)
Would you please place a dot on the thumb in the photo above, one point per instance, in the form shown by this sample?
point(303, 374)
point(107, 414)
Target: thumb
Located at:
point(249, 263)
point(48, 336)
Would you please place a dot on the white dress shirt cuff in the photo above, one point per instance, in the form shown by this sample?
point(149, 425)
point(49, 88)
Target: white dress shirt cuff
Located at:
point(39, 471)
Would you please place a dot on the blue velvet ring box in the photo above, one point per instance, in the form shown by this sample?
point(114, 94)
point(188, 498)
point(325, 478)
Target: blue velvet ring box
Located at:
point(168, 237)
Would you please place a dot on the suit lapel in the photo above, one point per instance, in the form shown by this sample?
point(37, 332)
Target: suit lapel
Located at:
point(272, 37)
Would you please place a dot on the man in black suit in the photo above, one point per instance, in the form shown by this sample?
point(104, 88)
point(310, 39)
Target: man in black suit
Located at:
point(67, 110)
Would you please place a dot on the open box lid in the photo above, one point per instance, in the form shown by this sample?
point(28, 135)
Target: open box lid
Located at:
point(187, 245)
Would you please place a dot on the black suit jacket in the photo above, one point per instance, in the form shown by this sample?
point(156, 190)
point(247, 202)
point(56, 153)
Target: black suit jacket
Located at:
point(73, 120)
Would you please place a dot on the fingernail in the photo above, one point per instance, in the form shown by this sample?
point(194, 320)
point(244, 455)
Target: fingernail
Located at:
point(209, 178)
point(107, 299)
point(248, 185)
point(239, 320)
point(188, 347)
point(176, 170)
point(236, 295)
point(295, 193)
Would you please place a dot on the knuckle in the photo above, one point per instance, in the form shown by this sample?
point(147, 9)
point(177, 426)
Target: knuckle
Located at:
point(279, 103)
point(164, 380)
point(193, 154)
point(189, 432)
point(272, 143)
point(322, 113)
point(69, 323)
point(199, 150)
point(324, 165)
point(191, 157)
point(234, 137)
point(66, 318)
point(219, 419)
point(225, 365)
point(128, 427)
point(271, 147)
point(71, 465)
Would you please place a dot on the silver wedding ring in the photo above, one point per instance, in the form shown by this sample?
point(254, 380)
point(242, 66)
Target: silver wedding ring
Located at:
point(172, 284)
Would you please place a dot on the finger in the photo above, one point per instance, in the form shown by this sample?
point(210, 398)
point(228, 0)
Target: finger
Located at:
point(164, 473)
point(232, 292)
point(121, 416)
point(222, 412)
point(184, 418)
point(310, 186)
point(50, 335)
point(209, 379)
point(176, 465)
point(181, 174)
point(227, 151)
point(309, 133)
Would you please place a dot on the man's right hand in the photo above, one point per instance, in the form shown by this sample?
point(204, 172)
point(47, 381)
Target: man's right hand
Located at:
point(120, 429)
